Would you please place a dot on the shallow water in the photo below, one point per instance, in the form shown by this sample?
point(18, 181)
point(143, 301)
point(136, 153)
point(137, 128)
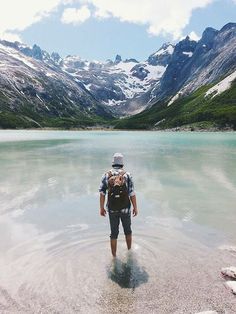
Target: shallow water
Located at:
point(54, 249)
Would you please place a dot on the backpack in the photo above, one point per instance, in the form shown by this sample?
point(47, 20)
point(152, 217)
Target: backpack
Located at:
point(118, 197)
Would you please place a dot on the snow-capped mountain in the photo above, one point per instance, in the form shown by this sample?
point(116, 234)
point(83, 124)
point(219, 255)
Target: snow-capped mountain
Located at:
point(52, 86)
point(162, 56)
point(194, 64)
point(117, 84)
point(31, 81)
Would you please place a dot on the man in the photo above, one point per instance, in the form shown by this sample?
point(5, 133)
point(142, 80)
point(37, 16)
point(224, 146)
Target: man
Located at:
point(121, 194)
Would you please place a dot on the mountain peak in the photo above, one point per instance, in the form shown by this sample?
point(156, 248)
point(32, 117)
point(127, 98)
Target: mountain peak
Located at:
point(209, 32)
point(56, 57)
point(162, 55)
point(165, 45)
point(186, 45)
point(228, 26)
point(37, 52)
point(118, 59)
point(131, 60)
point(187, 40)
point(165, 48)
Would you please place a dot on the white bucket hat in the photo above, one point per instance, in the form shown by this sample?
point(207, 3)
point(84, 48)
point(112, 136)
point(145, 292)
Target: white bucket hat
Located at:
point(118, 159)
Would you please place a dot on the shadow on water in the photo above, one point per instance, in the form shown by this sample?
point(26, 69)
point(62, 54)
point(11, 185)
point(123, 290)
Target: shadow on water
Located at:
point(127, 274)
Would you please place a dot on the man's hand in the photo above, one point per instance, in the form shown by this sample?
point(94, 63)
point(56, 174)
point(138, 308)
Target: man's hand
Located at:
point(102, 203)
point(135, 212)
point(103, 212)
point(134, 203)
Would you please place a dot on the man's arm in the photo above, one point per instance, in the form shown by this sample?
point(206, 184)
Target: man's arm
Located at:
point(132, 194)
point(102, 202)
point(102, 190)
point(134, 203)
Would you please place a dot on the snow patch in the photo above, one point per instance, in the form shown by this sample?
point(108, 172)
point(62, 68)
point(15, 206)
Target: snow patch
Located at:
point(159, 122)
point(113, 102)
point(88, 86)
point(39, 97)
point(49, 74)
point(188, 53)
point(168, 50)
point(125, 66)
point(173, 99)
point(221, 86)
point(155, 72)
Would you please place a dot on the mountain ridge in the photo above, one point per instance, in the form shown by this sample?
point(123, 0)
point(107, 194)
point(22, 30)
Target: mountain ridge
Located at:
point(36, 91)
point(211, 106)
point(78, 90)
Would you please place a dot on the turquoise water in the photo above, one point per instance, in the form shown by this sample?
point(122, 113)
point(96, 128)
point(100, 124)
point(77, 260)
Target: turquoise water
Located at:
point(50, 227)
point(188, 176)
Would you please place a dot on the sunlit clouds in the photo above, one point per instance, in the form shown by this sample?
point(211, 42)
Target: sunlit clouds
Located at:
point(75, 16)
point(159, 18)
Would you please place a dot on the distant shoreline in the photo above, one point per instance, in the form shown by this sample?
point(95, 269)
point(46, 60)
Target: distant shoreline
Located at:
point(176, 129)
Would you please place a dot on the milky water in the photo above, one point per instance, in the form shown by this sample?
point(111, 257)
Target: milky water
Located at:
point(54, 248)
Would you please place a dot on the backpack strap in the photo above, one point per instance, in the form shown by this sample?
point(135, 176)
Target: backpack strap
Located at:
point(109, 174)
point(122, 173)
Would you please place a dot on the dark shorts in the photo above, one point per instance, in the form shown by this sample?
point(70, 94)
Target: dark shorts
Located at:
point(115, 221)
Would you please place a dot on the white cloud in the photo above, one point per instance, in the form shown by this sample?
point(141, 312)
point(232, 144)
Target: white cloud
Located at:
point(194, 36)
point(15, 16)
point(10, 36)
point(75, 16)
point(161, 17)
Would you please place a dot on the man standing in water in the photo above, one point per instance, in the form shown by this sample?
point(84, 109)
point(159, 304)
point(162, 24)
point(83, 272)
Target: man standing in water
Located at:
point(121, 194)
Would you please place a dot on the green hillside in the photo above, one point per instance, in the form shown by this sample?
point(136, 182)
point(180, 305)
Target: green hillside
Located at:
point(195, 110)
point(27, 117)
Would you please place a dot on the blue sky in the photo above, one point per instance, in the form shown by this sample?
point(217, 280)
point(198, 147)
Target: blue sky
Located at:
point(100, 29)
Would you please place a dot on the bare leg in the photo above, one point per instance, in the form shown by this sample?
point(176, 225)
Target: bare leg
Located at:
point(128, 239)
point(113, 247)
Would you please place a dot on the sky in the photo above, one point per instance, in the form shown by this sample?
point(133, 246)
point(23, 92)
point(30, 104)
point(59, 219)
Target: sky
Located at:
point(100, 29)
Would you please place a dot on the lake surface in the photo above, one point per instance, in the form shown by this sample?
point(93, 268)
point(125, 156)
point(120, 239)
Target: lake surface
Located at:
point(54, 248)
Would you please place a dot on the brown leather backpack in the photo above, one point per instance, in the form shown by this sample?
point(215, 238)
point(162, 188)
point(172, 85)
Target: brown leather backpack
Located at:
point(118, 197)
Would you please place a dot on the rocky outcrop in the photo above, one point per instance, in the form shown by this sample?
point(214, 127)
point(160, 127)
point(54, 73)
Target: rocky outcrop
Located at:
point(30, 86)
point(163, 56)
point(194, 64)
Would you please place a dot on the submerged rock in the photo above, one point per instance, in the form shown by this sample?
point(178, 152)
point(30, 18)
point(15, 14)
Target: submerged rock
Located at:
point(229, 272)
point(231, 285)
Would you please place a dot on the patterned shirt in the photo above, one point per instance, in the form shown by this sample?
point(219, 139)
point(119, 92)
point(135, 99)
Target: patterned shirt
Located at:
point(129, 183)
